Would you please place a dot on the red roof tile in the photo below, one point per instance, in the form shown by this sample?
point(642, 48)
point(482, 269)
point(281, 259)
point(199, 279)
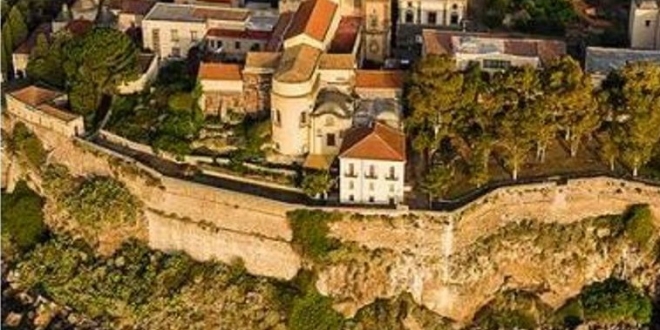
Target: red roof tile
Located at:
point(379, 79)
point(79, 26)
point(136, 7)
point(34, 96)
point(312, 18)
point(346, 35)
point(378, 142)
point(219, 71)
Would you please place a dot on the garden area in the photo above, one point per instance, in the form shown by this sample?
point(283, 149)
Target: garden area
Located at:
point(470, 129)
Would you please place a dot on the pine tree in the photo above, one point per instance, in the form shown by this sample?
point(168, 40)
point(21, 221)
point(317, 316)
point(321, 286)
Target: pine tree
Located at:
point(17, 27)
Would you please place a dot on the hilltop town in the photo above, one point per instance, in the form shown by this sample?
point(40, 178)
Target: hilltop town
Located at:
point(349, 149)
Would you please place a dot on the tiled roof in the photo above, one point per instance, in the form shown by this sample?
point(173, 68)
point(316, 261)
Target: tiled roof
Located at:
point(27, 46)
point(379, 79)
point(378, 142)
point(136, 7)
point(312, 18)
point(266, 60)
point(452, 42)
point(79, 26)
point(238, 34)
point(219, 71)
point(277, 37)
point(337, 61)
point(346, 35)
point(604, 60)
point(35, 96)
point(191, 13)
point(297, 64)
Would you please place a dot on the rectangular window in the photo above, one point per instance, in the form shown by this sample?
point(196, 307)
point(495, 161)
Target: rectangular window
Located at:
point(155, 39)
point(218, 44)
point(351, 198)
point(176, 52)
point(193, 36)
point(372, 172)
point(237, 45)
point(391, 188)
point(372, 199)
point(278, 117)
point(174, 34)
point(371, 186)
point(647, 23)
point(392, 174)
point(351, 186)
point(351, 170)
point(496, 64)
point(432, 18)
point(331, 140)
point(303, 119)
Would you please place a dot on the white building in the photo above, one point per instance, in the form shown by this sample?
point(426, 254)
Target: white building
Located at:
point(171, 30)
point(492, 52)
point(644, 24)
point(432, 12)
point(372, 165)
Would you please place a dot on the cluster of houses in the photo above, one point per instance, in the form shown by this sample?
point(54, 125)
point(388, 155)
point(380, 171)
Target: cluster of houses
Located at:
point(315, 67)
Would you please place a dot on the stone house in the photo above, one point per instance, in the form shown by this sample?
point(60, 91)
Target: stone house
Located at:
point(222, 90)
point(493, 52)
point(432, 12)
point(644, 24)
point(45, 108)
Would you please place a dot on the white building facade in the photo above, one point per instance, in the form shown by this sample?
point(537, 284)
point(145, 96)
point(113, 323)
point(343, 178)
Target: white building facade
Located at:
point(432, 12)
point(644, 24)
point(372, 166)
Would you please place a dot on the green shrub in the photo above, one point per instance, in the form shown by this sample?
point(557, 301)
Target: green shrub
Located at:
point(310, 233)
point(102, 199)
point(315, 183)
point(639, 226)
point(609, 302)
point(512, 310)
point(23, 217)
point(314, 312)
point(26, 143)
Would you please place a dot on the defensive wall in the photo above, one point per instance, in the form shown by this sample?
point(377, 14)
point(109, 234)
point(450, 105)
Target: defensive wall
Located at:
point(212, 223)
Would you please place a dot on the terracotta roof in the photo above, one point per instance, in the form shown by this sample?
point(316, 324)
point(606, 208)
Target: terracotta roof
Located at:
point(220, 14)
point(219, 71)
point(57, 112)
point(337, 62)
point(277, 37)
point(379, 79)
point(452, 42)
point(136, 7)
point(265, 60)
point(378, 142)
point(79, 26)
point(27, 46)
point(312, 18)
point(35, 96)
point(297, 64)
point(318, 162)
point(238, 34)
point(346, 35)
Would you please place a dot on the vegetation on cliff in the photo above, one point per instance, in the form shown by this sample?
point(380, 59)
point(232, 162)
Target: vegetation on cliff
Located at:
point(27, 146)
point(310, 233)
point(22, 219)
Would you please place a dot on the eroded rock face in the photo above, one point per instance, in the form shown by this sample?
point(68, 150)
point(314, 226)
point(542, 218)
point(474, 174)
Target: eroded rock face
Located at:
point(554, 260)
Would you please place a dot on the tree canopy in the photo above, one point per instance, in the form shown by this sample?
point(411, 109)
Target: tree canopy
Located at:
point(96, 64)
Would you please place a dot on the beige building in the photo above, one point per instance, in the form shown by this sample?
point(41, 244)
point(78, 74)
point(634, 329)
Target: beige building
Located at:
point(372, 165)
point(45, 108)
point(491, 51)
point(171, 30)
point(432, 12)
point(644, 24)
point(222, 90)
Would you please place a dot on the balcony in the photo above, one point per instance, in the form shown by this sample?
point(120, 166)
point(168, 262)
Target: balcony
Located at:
point(371, 176)
point(350, 175)
point(392, 178)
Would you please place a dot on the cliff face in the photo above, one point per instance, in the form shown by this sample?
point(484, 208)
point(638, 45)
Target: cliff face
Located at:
point(542, 239)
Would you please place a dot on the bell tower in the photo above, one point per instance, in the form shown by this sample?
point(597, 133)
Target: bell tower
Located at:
point(377, 29)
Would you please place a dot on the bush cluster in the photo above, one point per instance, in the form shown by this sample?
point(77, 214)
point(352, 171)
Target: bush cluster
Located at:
point(23, 217)
point(310, 233)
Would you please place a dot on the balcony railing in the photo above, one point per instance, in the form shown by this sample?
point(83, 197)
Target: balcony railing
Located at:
point(350, 175)
point(371, 176)
point(392, 178)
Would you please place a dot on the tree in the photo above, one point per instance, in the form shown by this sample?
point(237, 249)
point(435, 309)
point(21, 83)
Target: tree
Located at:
point(436, 181)
point(96, 64)
point(17, 27)
point(614, 301)
point(316, 183)
point(568, 93)
point(47, 66)
point(632, 95)
point(434, 94)
point(517, 94)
